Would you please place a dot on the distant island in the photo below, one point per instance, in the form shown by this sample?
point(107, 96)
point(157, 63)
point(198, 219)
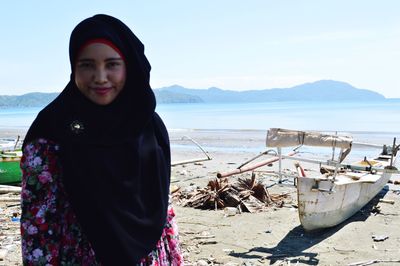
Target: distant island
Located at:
point(323, 90)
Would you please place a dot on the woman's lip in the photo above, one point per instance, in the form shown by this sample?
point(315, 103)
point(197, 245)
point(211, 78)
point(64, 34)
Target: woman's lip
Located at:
point(101, 90)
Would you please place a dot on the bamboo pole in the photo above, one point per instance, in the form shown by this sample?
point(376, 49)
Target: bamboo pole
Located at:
point(253, 166)
point(190, 161)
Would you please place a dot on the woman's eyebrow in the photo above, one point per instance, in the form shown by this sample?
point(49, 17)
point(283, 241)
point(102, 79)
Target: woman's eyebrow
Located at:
point(107, 59)
point(114, 58)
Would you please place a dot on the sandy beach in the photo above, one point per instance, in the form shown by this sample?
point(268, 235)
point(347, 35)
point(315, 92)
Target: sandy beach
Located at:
point(273, 236)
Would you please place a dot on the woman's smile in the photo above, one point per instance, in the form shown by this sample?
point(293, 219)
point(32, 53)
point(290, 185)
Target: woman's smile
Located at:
point(102, 90)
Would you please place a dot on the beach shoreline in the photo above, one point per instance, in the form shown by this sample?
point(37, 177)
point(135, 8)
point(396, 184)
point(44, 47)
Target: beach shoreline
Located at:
point(273, 236)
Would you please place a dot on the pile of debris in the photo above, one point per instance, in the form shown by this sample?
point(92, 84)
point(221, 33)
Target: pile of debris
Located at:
point(10, 246)
point(247, 195)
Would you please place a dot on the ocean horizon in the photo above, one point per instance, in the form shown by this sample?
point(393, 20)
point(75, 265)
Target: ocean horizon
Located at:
point(375, 116)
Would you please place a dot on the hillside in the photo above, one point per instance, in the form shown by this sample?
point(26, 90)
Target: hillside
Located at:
point(323, 90)
point(34, 99)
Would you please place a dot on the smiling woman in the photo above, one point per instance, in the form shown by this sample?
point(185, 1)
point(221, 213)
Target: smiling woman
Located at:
point(81, 206)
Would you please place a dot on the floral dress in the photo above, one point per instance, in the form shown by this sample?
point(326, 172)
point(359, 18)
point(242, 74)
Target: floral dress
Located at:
point(50, 232)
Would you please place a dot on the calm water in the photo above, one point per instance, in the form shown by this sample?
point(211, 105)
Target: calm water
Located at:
point(17, 117)
point(332, 116)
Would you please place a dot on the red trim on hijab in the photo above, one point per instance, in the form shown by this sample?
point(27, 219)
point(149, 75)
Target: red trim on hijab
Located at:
point(103, 41)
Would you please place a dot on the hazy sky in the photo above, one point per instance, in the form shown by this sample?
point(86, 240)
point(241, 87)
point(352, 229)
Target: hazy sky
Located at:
point(236, 45)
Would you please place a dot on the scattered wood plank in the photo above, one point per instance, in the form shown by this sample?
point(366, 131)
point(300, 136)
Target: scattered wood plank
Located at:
point(209, 242)
point(364, 263)
point(10, 199)
point(9, 189)
point(386, 201)
point(204, 237)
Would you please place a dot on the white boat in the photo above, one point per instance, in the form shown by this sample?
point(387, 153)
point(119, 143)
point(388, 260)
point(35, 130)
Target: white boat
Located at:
point(10, 144)
point(328, 199)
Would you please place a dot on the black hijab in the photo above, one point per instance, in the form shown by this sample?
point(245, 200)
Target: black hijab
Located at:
point(115, 159)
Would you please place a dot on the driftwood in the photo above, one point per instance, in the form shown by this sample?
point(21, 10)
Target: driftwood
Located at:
point(386, 201)
point(232, 198)
point(209, 197)
point(253, 188)
point(204, 237)
point(208, 242)
point(364, 263)
point(196, 160)
point(252, 204)
point(247, 195)
point(9, 189)
point(10, 199)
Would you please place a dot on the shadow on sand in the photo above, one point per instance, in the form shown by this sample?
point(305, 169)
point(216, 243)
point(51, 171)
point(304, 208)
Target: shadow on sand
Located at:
point(292, 247)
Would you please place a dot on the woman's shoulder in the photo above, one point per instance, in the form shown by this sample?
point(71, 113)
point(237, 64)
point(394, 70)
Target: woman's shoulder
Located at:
point(38, 156)
point(42, 142)
point(40, 145)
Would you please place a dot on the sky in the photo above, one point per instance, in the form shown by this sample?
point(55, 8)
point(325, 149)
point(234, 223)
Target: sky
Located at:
point(229, 44)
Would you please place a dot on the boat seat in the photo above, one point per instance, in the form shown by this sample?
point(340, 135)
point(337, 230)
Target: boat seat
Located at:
point(360, 177)
point(370, 178)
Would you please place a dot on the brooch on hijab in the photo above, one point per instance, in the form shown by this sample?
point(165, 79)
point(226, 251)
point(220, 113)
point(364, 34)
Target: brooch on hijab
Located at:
point(77, 127)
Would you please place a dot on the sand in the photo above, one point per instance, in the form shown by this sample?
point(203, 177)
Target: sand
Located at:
point(273, 236)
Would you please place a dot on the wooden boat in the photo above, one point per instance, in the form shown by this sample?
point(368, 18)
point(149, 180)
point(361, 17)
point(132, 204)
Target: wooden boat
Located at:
point(10, 172)
point(10, 144)
point(328, 199)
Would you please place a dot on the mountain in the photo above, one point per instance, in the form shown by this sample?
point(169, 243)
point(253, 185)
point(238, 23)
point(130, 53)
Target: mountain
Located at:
point(40, 99)
point(165, 96)
point(323, 90)
point(34, 99)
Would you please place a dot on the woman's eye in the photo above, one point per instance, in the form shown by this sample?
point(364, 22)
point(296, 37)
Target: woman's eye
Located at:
point(113, 64)
point(85, 65)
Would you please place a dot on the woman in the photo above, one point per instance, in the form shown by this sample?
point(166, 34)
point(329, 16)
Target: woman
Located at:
point(96, 164)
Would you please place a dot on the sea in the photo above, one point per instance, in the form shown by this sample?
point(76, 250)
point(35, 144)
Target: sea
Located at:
point(375, 121)
point(382, 116)
point(351, 116)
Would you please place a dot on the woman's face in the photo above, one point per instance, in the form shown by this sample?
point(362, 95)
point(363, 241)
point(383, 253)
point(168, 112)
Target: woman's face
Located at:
point(100, 73)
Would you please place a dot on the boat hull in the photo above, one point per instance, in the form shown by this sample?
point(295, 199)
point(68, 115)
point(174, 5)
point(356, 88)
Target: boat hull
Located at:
point(325, 203)
point(10, 171)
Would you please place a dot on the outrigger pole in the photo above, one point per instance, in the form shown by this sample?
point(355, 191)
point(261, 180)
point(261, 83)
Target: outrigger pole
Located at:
point(242, 169)
point(195, 160)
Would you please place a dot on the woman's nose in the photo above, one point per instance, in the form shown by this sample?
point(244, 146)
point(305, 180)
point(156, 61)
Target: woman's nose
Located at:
point(100, 75)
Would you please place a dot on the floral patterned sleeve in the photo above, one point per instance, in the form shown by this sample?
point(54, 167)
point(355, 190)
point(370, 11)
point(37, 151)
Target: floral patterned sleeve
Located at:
point(40, 232)
point(50, 232)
